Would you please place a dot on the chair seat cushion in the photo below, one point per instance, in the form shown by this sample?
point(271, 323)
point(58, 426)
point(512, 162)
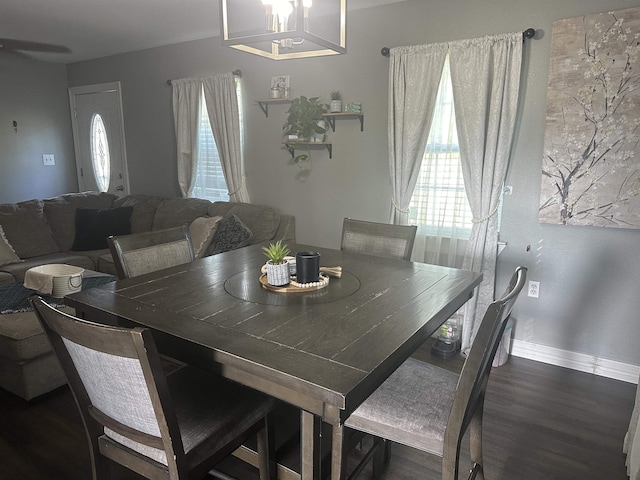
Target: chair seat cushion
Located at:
point(411, 407)
point(210, 410)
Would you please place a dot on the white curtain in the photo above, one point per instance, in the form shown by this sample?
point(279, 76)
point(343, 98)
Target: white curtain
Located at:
point(439, 203)
point(186, 94)
point(485, 73)
point(224, 115)
point(414, 76)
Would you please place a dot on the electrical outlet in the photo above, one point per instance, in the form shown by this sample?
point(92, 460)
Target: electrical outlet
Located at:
point(48, 159)
point(534, 289)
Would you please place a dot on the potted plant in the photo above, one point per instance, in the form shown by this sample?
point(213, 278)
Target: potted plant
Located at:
point(336, 102)
point(277, 266)
point(303, 116)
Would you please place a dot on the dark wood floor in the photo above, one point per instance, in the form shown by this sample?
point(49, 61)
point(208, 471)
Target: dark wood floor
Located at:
point(541, 422)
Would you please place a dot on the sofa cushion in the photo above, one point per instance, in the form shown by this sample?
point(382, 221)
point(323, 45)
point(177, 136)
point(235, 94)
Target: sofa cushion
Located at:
point(93, 226)
point(173, 212)
point(33, 378)
point(61, 213)
point(7, 253)
point(263, 221)
point(26, 229)
point(202, 231)
point(231, 234)
point(106, 264)
point(22, 337)
point(144, 209)
point(6, 279)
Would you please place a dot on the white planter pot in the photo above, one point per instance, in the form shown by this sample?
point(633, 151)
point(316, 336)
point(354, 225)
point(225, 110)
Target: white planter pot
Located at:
point(335, 106)
point(278, 275)
point(319, 137)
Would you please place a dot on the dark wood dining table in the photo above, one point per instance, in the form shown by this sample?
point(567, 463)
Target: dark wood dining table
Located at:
point(323, 351)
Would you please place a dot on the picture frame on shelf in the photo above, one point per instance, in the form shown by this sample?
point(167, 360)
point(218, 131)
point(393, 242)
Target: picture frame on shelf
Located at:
point(280, 87)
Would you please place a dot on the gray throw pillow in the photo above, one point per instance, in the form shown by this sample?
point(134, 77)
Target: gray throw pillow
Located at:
point(231, 234)
point(26, 229)
point(7, 253)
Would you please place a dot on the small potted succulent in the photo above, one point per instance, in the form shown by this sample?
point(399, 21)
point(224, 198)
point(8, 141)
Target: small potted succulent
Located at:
point(277, 266)
point(336, 101)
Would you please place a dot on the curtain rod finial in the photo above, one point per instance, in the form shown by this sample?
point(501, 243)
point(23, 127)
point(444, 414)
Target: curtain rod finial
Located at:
point(385, 51)
point(529, 33)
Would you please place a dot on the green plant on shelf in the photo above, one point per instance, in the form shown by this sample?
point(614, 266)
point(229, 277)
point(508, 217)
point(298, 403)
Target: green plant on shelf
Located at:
point(303, 116)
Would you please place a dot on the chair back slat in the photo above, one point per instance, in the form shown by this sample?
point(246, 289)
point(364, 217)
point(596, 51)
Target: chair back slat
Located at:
point(379, 239)
point(474, 376)
point(116, 377)
point(147, 252)
point(114, 383)
point(157, 257)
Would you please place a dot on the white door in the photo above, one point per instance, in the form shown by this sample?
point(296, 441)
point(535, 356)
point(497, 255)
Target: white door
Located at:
point(98, 135)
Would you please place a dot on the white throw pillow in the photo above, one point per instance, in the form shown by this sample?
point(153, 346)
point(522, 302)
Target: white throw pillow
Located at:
point(7, 253)
point(202, 230)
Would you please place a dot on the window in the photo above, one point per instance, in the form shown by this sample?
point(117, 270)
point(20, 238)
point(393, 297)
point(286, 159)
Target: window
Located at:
point(210, 183)
point(439, 203)
point(100, 158)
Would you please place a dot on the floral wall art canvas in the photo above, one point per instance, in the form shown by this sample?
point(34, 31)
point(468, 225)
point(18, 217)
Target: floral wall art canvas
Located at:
point(591, 166)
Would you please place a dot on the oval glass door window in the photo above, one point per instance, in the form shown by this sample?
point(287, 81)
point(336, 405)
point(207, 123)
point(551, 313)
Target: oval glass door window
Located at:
point(100, 153)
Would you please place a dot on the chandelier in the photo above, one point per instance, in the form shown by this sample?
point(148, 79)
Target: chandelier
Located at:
point(283, 29)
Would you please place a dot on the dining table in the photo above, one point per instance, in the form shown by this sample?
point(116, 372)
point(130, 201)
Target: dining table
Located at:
point(321, 349)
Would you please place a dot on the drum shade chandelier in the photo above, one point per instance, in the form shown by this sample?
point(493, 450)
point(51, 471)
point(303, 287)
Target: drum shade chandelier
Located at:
point(284, 29)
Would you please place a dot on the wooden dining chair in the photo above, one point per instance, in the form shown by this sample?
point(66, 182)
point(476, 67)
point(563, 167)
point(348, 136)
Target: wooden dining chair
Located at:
point(379, 239)
point(141, 253)
point(174, 427)
point(430, 408)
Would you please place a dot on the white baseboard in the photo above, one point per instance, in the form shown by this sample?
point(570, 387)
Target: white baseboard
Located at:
point(576, 361)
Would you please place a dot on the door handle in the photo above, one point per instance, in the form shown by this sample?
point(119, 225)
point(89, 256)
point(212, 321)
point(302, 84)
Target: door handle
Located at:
point(119, 188)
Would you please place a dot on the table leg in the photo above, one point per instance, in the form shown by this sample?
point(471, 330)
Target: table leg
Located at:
point(337, 455)
point(311, 446)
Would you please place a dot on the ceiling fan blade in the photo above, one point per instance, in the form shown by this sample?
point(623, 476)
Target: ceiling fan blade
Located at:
point(9, 44)
point(13, 53)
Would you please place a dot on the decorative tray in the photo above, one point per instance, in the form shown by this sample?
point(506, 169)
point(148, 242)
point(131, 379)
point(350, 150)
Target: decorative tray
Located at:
point(295, 287)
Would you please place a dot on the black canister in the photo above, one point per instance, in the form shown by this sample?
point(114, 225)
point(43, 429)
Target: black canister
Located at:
point(307, 267)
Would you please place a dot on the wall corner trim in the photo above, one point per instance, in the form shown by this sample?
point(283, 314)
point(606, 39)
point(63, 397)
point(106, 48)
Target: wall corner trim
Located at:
point(576, 361)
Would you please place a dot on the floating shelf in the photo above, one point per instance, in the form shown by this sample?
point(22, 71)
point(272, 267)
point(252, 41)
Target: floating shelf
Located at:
point(264, 104)
point(331, 118)
point(291, 146)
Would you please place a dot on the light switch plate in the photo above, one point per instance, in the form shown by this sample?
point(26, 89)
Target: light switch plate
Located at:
point(48, 159)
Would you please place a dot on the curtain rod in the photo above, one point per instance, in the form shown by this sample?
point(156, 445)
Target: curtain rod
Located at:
point(527, 34)
point(237, 73)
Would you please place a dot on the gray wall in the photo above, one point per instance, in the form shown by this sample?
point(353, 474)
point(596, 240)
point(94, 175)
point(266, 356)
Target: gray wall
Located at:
point(589, 276)
point(34, 94)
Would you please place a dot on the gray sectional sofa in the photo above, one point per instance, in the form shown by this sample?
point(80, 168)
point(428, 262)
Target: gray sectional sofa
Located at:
point(44, 232)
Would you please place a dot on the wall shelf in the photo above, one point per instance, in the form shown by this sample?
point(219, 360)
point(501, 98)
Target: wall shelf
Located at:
point(331, 118)
point(292, 146)
point(264, 104)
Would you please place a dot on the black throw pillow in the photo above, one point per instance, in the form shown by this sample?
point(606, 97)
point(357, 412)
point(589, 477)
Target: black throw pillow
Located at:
point(93, 226)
